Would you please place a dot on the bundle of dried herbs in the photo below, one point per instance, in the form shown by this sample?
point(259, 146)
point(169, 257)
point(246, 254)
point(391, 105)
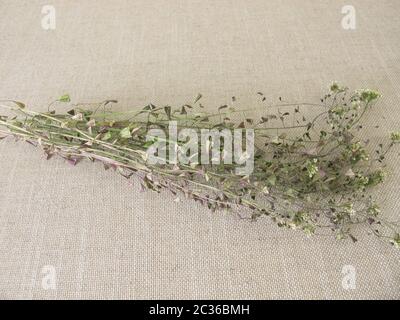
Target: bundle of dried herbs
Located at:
point(309, 174)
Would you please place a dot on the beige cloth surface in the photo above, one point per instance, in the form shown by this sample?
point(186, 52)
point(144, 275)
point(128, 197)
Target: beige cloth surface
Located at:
point(103, 237)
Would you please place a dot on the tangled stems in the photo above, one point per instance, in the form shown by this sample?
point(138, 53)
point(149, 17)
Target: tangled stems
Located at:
point(313, 175)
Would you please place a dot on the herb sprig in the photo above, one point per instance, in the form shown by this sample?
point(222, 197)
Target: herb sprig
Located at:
point(313, 175)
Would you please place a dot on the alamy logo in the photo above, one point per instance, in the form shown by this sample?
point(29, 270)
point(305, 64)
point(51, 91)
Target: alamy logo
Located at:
point(49, 17)
point(49, 279)
point(349, 19)
point(349, 277)
point(192, 147)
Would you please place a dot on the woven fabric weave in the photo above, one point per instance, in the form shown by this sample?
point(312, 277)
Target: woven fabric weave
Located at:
point(106, 239)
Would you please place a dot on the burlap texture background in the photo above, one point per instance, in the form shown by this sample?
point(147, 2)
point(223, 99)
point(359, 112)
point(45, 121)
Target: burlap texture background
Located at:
point(104, 238)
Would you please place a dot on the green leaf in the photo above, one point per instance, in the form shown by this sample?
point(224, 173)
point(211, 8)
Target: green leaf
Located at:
point(396, 240)
point(149, 143)
point(290, 193)
point(125, 133)
point(64, 98)
point(395, 136)
point(19, 104)
point(271, 180)
point(107, 136)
